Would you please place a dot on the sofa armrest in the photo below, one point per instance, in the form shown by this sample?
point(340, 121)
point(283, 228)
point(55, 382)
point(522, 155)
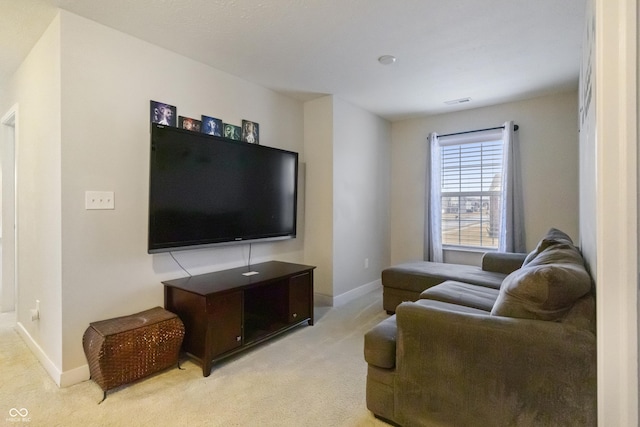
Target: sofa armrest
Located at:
point(474, 369)
point(380, 344)
point(502, 262)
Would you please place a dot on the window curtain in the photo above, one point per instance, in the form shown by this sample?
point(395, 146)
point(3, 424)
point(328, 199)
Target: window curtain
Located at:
point(511, 219)
point(433, 211)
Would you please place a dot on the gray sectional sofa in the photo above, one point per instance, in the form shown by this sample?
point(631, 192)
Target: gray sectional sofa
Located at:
point(510, 343)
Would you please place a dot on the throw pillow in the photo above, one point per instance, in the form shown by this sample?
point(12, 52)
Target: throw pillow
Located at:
point(546, 288)
point(552, 237)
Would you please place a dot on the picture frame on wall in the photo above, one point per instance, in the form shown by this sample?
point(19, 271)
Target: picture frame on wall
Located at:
point(163, 114)
point(232, 131)
point(211, 126)
point(189, 124)
point(250, 132)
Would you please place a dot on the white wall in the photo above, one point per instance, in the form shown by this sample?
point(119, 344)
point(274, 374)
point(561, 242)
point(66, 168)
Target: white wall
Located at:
point(361, 177)
point(610, 219)
point(35, 89)
point(318, 145)
point(548, 138)
point(587, 123)
point(108, 79)
point(84, 97)
point(348, 214)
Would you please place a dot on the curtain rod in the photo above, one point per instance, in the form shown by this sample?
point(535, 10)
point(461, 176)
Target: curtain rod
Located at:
point(515, 127)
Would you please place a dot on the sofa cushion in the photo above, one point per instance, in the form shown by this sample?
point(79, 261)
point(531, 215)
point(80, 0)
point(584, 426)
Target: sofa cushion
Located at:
point(465, 294)
point(380, 344)
point(418, 276)
point(583, 314)
point(502, 262)
point(553, 236)
point(454, 308)
point(547, 287)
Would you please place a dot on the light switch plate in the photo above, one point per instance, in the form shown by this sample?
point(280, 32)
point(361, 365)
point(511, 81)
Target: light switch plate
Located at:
point(99, 200)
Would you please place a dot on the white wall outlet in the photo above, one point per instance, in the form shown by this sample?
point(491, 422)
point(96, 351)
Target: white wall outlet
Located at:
point(99, 200)
point(35, 313)
point(366, 263)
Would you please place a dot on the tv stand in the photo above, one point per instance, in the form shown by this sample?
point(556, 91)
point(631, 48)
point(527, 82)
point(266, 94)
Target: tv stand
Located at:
point(228, 311)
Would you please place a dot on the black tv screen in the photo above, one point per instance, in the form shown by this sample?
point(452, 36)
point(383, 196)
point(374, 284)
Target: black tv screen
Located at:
point(206, 190)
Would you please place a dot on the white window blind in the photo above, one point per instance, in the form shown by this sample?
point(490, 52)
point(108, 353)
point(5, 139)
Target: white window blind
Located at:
point(471, 185)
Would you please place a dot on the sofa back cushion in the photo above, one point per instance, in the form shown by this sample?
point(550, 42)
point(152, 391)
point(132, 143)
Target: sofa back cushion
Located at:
point(553, 237)
point(547, 287)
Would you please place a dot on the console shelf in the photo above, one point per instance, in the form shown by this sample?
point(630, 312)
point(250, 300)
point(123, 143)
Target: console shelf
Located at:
point(228, 311)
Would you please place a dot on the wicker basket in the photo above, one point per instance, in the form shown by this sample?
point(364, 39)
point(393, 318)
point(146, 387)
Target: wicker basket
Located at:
point(125, 349)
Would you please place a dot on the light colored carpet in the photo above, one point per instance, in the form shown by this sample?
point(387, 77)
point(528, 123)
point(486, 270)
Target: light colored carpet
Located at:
point(310, 376)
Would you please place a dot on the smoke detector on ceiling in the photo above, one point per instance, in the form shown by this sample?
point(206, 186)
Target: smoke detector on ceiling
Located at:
point(387, 59)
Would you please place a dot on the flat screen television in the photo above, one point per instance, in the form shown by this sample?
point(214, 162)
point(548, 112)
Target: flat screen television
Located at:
point(206, 190)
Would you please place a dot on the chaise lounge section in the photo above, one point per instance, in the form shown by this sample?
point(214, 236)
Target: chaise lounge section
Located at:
point(466, 352)
point(405, 282)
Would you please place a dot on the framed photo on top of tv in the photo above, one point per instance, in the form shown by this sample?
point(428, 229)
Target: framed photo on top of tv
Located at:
point(211, 126)
point(189, 124)
point(232, 131)
point(250, 132)
point(163, 114)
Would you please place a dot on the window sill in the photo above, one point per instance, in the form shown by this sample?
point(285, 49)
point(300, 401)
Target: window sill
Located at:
point(468, 255)
point(473, 249)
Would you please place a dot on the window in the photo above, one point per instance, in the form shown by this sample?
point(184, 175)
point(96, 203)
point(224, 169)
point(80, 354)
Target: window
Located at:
point(474, 195)
point(471, 188)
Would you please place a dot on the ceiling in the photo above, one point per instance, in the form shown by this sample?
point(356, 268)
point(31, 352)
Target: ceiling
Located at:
point(491, 51)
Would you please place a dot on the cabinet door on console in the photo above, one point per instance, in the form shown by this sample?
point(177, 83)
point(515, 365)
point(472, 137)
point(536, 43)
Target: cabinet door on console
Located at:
point(300, 297)
point(225, 317)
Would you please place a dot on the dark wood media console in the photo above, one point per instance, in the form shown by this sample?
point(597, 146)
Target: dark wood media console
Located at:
point(228, 311)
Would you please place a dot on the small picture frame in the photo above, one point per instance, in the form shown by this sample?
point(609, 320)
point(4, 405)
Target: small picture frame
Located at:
point(163, 114)
point(189, 124)
point(250, 132)
point(232, 131)
point(211, 126)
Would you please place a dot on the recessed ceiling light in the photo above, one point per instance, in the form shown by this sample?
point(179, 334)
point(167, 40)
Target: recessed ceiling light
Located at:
point(457, 101)
point(387, 59)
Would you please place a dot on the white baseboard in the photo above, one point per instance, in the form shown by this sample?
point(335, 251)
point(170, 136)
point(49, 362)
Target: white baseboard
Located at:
point(342, 299)
point(81, 373)
point(62, 379)
point(356, 293)
point(322, 300)
point(48, 365)
point(75, 376)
